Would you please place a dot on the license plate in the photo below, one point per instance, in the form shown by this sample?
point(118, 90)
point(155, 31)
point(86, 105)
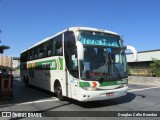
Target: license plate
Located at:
point(110, 94)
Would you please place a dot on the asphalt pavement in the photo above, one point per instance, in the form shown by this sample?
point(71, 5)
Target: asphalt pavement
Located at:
point(139, 98)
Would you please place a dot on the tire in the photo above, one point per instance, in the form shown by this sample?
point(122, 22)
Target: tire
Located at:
point(26, 81)
point(58, 90)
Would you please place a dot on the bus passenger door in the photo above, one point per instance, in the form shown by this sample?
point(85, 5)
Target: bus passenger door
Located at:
point(70, 52)
point(74, 74)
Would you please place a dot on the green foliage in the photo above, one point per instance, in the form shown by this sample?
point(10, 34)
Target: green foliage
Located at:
point(128, 70)
point(4, 47)
point(4, 67)
point(155, 67)
point(16, 68)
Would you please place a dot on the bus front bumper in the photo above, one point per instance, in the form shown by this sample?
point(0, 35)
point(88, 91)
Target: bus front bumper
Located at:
point(102, 95)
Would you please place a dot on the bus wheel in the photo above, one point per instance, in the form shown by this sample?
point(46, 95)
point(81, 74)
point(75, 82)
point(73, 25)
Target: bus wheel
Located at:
point(58, 90)
point(26, 81)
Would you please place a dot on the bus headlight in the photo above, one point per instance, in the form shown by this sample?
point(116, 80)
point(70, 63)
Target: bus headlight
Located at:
point(89, 88)
point(124, 85)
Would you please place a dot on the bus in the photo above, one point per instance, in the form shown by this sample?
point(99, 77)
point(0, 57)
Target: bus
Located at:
point(81, 63)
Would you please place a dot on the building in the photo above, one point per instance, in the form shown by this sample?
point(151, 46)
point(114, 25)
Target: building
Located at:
point(142, 65)
point(5, 61)
point(15, 62)
point(11, 62)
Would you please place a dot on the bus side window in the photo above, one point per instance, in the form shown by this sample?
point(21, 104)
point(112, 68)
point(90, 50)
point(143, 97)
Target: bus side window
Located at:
point(29, 55)
point(35, 56)
point(41, 51)
point(35, 53)
point(71, 53)
point(74, 63)
point(54, 47)
point(59, 51)
point(58, 45)
point(41, 55)
point(32, 54)
point(50, 48)
point(49, 52)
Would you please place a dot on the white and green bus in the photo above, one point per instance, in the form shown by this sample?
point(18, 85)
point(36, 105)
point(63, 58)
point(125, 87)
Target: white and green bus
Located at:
point(81, 63)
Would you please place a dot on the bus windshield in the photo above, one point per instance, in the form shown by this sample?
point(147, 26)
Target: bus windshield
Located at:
point(102, 60)
point(99, 38)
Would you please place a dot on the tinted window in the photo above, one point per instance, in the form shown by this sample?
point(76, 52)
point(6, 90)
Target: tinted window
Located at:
point(71, 53)
point(58, 45)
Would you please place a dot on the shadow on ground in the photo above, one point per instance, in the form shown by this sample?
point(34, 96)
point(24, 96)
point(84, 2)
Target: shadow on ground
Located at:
point(22, 94)
point(97, 104)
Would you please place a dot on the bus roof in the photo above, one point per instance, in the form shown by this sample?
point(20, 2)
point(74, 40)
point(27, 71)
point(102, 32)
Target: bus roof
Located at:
point(72, 29)
point(91, 29)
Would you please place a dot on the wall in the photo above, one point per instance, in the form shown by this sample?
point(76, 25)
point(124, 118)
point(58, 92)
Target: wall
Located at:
point(149, 81)
point(140, 68)
point(145, 56)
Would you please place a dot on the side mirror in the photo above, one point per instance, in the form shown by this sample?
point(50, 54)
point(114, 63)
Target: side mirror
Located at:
point(80, 51)
point(134, 51)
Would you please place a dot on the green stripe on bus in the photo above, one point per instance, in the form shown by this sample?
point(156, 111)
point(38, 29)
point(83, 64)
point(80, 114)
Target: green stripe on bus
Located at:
point(110, 83)
point(84, 84)
point(61, 63)
point(54, 64)
point(105, 83)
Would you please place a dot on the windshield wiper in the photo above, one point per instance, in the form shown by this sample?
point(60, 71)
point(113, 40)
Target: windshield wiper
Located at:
point(117, 70)
point(103, 72)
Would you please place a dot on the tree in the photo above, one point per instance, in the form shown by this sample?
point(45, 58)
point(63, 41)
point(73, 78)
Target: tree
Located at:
point(155, 67)
point(3, 47)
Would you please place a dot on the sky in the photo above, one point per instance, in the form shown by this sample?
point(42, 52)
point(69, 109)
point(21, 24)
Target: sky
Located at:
point(26, 22)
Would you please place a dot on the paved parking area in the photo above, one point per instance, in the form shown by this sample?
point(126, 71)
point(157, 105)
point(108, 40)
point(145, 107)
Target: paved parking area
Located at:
point(139, 98)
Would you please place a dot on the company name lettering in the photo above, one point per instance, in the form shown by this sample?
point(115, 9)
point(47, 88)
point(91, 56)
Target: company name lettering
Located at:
point(49, 65)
